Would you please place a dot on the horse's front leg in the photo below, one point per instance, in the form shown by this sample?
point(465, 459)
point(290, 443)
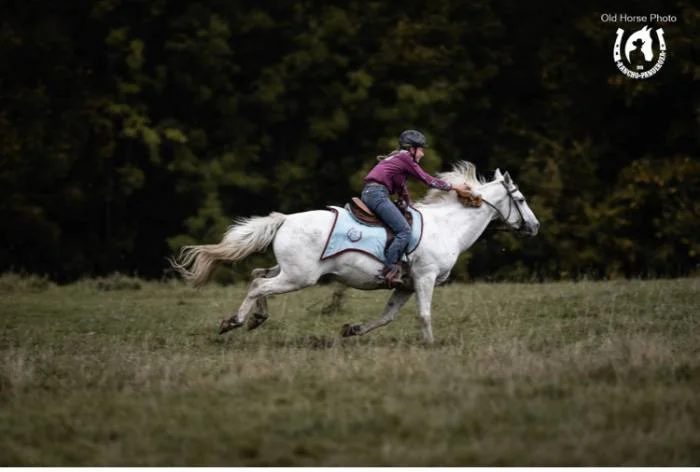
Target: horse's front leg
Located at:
point(424, 287)
point(396, 302)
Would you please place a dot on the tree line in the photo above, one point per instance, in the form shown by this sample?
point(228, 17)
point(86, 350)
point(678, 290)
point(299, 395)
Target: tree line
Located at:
point(131, 127)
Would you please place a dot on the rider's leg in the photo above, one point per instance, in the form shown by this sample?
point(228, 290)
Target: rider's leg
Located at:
point(402, 233)
point(377, 199)
point(393, 218)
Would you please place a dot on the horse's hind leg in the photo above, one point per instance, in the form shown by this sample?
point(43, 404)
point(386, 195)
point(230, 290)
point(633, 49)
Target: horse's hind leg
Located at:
point(260, 313)
point(262, 287)
point(396, 302)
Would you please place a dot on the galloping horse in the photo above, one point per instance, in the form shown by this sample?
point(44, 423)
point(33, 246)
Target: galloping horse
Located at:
point(450, 228)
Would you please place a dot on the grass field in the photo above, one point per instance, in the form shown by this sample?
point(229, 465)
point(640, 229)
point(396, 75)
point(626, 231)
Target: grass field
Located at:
point(122, 373)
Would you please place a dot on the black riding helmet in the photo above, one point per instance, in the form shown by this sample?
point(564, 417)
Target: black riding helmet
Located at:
point(412, 138)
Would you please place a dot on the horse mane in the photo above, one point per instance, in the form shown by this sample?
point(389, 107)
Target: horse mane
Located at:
point(462, 172)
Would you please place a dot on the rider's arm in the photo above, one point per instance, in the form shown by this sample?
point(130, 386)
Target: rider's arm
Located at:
point(415, 170)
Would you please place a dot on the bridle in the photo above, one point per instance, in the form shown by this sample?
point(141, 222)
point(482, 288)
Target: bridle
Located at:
point(511, 203)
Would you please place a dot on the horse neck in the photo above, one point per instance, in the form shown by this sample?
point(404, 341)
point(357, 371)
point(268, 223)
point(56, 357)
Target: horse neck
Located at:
point(463, 225)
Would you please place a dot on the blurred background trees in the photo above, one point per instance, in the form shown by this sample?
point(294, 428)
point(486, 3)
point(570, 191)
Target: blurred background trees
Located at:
point(129, 128)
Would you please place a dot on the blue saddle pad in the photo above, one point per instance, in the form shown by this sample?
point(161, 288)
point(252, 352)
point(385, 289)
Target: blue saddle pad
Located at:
point(348, 234)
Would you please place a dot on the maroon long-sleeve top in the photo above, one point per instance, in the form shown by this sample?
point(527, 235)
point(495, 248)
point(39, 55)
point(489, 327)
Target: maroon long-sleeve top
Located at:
point(393, 172)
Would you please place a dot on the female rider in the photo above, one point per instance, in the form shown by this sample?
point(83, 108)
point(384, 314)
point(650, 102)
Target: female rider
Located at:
point(389, 178)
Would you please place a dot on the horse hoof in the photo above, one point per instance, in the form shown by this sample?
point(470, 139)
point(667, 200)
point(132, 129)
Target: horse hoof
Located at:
point(228, 325)
point(224, 327)
point(256, 321)
point(350, 330)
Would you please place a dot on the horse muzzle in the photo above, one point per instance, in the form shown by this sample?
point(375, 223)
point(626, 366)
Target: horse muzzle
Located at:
point(531, 229)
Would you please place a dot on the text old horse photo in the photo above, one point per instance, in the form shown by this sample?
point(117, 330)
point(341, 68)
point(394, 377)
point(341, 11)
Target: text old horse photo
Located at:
point(444, 227)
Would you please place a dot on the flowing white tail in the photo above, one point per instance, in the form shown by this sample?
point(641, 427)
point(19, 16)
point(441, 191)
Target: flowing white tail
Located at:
point(245, 236)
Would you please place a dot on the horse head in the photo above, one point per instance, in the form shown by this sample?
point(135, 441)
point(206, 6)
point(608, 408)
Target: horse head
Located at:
point(643, 35)
point(511, 206)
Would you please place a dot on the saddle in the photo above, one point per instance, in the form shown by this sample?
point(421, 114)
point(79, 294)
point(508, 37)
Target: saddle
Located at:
point(361, 213)
point(359, 210)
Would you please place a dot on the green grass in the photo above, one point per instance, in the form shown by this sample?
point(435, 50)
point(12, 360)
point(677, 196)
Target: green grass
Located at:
point(121, 372)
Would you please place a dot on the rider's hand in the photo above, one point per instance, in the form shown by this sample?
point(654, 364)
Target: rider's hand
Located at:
point(467, 194)
point(461, 188)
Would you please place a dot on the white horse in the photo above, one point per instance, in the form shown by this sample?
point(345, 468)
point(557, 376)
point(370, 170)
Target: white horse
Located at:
point(450, 228)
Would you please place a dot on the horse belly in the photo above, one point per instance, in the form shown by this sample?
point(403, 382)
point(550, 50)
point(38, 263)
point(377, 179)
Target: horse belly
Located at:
point(356, 270)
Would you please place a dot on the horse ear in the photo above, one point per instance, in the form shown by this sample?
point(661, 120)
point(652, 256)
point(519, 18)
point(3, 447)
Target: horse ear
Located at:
point(497, 175)
point(506, 178)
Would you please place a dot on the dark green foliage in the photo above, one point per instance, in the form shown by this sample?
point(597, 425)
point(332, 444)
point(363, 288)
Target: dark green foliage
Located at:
point(128, 129)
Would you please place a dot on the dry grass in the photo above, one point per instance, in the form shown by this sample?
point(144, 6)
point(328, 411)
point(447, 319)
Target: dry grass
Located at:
point(553, 374)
